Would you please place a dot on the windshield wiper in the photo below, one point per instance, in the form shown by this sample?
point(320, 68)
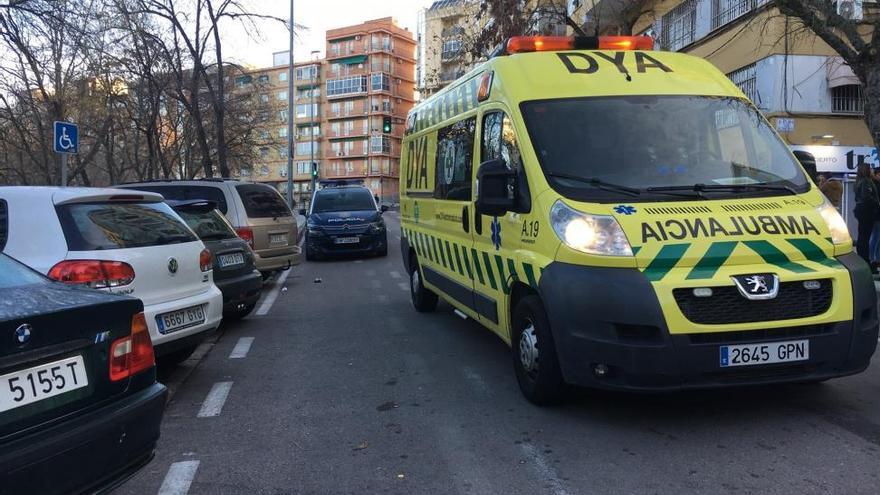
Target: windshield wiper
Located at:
point(723, 187)
point(599, 183)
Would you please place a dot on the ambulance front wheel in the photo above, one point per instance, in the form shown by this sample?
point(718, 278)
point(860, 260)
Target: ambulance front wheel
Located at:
point(534, 353)
point(423, 299)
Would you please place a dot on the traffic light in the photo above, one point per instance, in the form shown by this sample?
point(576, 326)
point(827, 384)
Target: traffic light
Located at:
point(386, 125)
point(315, 170)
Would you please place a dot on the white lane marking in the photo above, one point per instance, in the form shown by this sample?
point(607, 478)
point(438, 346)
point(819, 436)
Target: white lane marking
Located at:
point(383, 298)
point(214, 401)
point(395, 274)
point(545, 470)
point(403, 286)
point(180, 476)
point(476, 380)
point(273, 295)
point(358, 261)
point(241, 348)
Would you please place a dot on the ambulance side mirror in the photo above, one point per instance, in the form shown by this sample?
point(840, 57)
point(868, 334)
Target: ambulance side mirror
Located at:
point(496, 191)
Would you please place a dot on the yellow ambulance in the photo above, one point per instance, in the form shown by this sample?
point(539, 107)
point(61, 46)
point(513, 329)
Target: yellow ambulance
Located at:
point(625, 218)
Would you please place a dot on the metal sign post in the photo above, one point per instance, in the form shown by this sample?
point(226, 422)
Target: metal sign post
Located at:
point(65, 142)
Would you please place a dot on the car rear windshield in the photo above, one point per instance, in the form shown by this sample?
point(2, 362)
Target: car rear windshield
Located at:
point(14, 274)
point(183, 193)
point(262, 201)
point(343, 199)
point(586, 145)
point(100, 226)
point(209, 225)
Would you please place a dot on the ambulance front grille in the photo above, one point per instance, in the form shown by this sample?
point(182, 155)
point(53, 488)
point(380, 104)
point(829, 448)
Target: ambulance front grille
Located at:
point(677, 210)
point(727, 305)
point(750, 207)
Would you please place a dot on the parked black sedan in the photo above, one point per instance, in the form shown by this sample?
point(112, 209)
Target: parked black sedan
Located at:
point(235, 272)
point(79, 404)
point(345, 220)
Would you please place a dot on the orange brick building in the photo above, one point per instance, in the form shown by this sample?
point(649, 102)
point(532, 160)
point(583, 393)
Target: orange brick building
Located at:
point(369, 77)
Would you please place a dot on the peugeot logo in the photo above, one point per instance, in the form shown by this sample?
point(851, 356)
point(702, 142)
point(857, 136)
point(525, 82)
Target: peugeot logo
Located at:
point(23, 333)
point(172, 265)
point(345, 227)
point(757, 287)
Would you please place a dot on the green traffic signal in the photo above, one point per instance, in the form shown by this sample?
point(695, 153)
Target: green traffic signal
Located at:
point(314, 169)
point(386, 125)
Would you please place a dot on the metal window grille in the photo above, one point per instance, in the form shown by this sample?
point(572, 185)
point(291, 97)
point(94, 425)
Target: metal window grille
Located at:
point(679, 26)
point(746, 78)
point(724, 11)
point(848, 99)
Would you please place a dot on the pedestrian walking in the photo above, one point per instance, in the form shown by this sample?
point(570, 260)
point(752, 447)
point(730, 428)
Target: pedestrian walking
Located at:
point(867, 209)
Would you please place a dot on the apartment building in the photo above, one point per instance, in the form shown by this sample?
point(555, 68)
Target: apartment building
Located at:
point(267, 90)
point(804, 89)
point(444, 31)
point(369, 87)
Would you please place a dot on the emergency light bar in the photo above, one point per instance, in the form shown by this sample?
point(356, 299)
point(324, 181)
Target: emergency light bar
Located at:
point(524, 44)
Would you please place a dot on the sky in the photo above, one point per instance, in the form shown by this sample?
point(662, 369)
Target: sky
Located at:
point(256, 49)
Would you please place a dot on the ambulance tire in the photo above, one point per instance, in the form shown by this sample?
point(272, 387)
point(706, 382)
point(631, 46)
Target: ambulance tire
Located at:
point(423, 299)
point(532, 342)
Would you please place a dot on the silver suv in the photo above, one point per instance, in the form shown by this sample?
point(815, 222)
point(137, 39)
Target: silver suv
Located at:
point(257, 211)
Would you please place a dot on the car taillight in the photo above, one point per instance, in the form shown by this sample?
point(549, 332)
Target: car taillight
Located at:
point(247, 234)
point(96, 274)
point(133, 354)
point(206, 261)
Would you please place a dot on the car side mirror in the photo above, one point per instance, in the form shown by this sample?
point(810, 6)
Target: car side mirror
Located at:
point(302, 211)
point(808, 161)
point(383, 208)
point(496, 192)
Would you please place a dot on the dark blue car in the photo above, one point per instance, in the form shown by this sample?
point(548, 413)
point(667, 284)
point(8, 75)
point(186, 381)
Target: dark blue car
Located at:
point(345, 220)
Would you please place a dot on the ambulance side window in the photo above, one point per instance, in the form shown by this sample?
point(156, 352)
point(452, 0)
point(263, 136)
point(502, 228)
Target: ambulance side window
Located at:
point(499, 140)
point(455, 154)
point(499, 143)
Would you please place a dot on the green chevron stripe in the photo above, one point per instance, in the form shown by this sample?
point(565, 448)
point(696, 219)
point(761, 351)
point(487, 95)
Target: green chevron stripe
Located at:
point(715, 257)
point(511, 266)
point(467, 263)
point(477, 266)
point(489, 273)
point(458, 259)
point(449, 255)
point(433, 244)
point(771, 254)
point(813, 252)
point(427, 245)
point(499, 263)
point(665, 260)
point(442, 253)
point(530, 275)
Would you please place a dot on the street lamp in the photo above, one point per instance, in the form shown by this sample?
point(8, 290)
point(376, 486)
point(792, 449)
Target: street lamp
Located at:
point(311, 120)
point(290, 114)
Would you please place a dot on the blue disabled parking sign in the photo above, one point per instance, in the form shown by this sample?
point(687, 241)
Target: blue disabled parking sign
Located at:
point(66, 137)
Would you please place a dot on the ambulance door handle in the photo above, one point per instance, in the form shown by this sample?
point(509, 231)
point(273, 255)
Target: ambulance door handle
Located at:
point(478, 222)
point(465, 221)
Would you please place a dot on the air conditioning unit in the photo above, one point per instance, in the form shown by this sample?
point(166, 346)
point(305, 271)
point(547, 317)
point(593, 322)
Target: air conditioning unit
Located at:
point(850, 9)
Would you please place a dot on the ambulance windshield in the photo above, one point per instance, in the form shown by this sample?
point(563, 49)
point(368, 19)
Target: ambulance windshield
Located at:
point(660, 147)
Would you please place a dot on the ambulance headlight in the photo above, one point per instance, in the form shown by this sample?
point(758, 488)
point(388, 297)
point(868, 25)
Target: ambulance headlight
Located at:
point(835, 223)
point(593, 234)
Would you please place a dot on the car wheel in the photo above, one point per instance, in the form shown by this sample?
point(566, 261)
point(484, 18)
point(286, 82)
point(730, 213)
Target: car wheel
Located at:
point(240, 312)
point(423, 299)
point(534, 353)
point(178, 356)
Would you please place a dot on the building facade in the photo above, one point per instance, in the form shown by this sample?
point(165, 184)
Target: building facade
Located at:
point(800, 84)
point(349, 111)
point(369, 87)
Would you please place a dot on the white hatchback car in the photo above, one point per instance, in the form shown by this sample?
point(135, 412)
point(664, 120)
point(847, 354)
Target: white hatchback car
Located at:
point(123, 242)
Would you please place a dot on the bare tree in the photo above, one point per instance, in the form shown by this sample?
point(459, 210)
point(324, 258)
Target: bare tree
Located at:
point(856, 41)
